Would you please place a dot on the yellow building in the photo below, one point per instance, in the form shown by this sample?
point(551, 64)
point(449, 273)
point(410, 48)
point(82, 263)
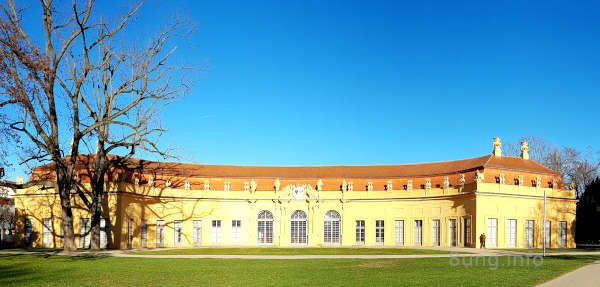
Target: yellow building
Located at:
point(158, 204)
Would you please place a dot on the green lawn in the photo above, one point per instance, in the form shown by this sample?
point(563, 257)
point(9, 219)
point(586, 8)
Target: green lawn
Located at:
point(551, 250)
point(291, 251)
point(34, 270)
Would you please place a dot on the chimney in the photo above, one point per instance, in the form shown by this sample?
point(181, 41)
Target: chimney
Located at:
point(524, 150)
point(497, 151)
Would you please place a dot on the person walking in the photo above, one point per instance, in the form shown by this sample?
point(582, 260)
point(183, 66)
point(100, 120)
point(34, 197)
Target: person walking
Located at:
point(483, 240)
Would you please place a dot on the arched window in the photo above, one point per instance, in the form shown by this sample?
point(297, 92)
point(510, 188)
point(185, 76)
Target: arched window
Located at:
point(265, 227)
point(298, 227)
point(331, 228)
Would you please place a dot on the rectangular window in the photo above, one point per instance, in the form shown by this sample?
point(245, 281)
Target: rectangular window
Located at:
point(492, 236)
point(360, 232)
point(562, 234)
point(529, 231)
point(435, 232)
point(144, 234)
point(130, 233)
point(246, 186)
point(84, 233)
point(350, 186)
point(452, 232)
point(226, 186)
point(160, 233)
point(47, 233)
point(511, 233)
point(216, 232)
point(28, 232)
point(178, 233)
point(104, 232)
point(236, 226)
point(399, 232)
point(370, 186)
point(418, 232)
point(379, 231)
point(467, 231)
point(197, 236)
point(547, 232)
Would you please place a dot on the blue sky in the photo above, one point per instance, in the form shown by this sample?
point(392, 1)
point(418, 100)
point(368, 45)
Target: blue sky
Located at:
point(391, 82)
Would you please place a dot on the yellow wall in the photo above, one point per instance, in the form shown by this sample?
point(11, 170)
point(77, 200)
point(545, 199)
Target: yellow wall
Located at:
point(476, 201)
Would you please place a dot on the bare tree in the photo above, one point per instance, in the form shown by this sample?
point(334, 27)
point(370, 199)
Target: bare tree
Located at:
point(42, 87)
point(128, 90)
point(577, 168)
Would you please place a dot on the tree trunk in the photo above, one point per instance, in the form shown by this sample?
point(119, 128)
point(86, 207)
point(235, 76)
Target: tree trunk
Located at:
point(64, 192)
point(96, 210)
point(100, 167)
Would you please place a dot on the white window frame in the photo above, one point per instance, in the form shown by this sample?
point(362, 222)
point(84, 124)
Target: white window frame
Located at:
point(216, 232)
point(436, 232)
point(511, 233)
point(197, 232)
point(104, 232)
point(529, 233)
point(47, 233)
point(452, 232)
point(226, 186)
point(144, 234)
point(264, 228)
point(177, 233)
point(562, 234)
point(332, 234)
point(29, 230)
point(379, 232)
point(160, 233)
point(492, 230)
point(418, 232)
point(359, 232)
point(548, 233)
point(84, 232)
point(236, 231)
point(298, 228)
point(399, 232)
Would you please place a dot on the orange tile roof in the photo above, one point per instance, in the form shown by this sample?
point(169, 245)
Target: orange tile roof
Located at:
point(341, 171)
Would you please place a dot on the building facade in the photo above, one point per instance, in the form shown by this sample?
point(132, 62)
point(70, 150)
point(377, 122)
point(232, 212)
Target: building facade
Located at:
point(446, 204)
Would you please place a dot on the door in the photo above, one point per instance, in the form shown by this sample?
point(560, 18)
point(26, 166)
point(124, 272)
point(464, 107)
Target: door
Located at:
point(511, 233)
point(562, 234)
point(453, 232)
point(418, 232)
point(47, 233)
point(529, 227)
point(435, 232)
point(492, 236)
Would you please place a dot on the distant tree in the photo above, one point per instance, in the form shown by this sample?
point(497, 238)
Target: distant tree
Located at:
point(588, 214)
point(577, 168)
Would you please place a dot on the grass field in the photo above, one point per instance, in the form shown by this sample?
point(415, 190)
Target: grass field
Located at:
point(291, 251)
point(31, 270)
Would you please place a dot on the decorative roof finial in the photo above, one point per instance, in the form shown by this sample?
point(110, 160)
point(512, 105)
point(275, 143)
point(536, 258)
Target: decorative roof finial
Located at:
point(524, 150)
point(497, 150)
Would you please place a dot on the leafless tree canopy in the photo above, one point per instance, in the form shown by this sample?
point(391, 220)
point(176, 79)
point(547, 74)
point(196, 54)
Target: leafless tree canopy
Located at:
point(578, 168)
point(80, 81)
